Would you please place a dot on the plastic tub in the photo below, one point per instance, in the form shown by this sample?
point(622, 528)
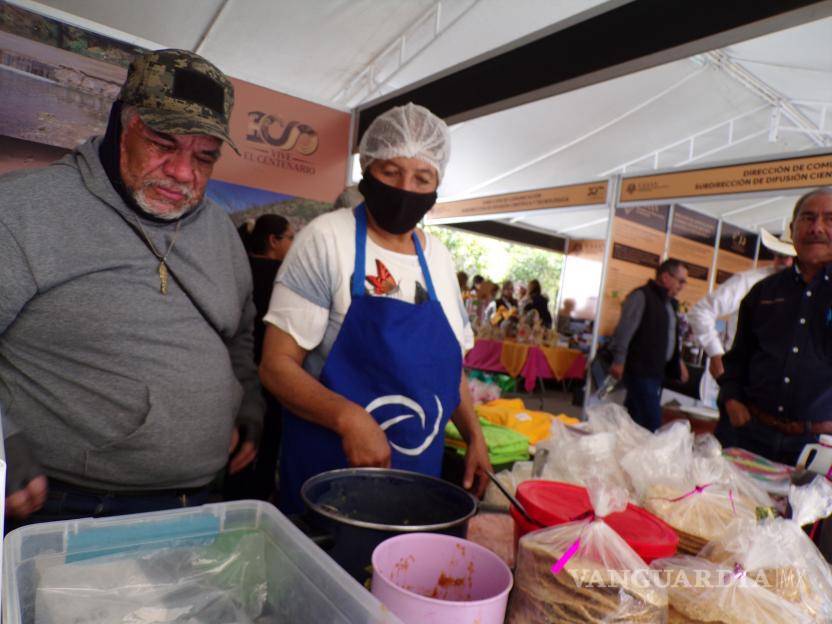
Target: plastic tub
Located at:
point(428, 577)
point(302, 584)
point(552, 503)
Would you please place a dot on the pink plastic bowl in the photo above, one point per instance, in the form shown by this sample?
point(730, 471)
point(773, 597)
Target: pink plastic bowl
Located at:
point(428, 577)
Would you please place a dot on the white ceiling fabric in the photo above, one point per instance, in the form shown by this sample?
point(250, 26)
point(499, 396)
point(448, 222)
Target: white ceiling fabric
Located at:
point(321, 49)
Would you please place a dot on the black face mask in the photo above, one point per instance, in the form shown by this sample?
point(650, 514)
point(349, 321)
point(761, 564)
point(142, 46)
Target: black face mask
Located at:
point(396, 211)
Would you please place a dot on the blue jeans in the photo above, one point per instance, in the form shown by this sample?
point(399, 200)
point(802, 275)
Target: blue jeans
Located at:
point(644, 401)
point(68, 502)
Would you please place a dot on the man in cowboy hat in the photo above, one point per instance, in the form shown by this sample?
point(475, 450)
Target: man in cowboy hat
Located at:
point(126, 314)
point(775, 390)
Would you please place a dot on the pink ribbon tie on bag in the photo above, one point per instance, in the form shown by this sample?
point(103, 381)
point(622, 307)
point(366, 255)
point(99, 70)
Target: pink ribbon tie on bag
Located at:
point(570, 552)
point(697, 490)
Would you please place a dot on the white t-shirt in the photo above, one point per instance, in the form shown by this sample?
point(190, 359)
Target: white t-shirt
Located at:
point(312, 291)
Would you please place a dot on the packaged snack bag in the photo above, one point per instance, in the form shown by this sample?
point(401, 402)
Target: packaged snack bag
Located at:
point(584, 571)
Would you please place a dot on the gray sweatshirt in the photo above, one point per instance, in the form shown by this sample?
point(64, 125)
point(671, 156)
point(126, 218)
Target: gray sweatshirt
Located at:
point(113, 384)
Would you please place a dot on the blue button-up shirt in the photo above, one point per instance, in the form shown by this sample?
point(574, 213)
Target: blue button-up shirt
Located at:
point(781, 360)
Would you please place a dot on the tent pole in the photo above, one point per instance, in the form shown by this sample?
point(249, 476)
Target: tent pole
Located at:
point(612, 199)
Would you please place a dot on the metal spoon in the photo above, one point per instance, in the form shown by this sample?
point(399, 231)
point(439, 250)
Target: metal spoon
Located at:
point(517, 504)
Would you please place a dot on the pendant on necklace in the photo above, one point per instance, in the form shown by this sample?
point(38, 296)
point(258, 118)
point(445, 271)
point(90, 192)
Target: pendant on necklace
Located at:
point(163, 278)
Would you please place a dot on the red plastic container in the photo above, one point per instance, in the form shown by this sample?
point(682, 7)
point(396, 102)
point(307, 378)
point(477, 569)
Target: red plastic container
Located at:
point(552, 503)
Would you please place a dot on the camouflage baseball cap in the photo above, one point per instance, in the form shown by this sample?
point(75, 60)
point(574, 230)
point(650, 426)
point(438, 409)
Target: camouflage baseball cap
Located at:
point(179, 92)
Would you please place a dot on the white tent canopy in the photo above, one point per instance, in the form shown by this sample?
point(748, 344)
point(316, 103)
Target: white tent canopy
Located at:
point(768, 96)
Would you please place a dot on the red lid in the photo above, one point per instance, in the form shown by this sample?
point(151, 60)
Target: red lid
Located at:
point(552, 503)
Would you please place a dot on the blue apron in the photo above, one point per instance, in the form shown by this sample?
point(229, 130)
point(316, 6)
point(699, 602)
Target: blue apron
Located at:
point(399, 361)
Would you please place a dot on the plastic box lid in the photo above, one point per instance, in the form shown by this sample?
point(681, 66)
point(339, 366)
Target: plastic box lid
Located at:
point(552, 503)
point(2, 492)
point(304, 583)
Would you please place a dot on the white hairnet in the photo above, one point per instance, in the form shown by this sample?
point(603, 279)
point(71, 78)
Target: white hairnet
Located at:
point(408, 131)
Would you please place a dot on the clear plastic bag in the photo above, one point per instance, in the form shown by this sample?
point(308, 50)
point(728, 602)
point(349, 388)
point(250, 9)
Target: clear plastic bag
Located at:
point(702, 591)
point(585, 572)
point(482, 391)
point(521, 471)
point(663, 458)
point(697, 495)
point(699, 507)
point(781, 556)
point(707, 447)
point(224, 582)
point(812, 502)
point(613, 418)
point(575, 457)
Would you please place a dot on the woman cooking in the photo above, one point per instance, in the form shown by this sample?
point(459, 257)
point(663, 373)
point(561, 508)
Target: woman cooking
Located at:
point(366, 328)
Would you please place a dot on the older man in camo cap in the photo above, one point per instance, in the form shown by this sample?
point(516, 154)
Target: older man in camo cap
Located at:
point(126, 370)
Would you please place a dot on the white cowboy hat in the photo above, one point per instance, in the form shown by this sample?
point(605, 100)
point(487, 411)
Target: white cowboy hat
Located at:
point(782, 245)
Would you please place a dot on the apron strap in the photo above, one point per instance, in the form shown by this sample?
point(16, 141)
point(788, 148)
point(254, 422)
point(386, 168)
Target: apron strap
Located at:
point(357, 286)
point(423, 263)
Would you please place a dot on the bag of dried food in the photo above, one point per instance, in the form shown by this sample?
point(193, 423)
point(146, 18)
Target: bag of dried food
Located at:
point(664, 457)
point(699, 590)
point(584, 571)
point(708, 447)
point(780, 556)
point(689, 492)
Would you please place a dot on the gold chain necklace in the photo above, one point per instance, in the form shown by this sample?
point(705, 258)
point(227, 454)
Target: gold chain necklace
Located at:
point(163, 268)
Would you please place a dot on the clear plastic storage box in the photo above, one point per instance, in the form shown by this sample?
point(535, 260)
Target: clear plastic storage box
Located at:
point(243, 552)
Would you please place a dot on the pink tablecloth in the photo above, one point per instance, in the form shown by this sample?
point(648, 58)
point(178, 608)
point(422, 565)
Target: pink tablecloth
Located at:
point(486, 356)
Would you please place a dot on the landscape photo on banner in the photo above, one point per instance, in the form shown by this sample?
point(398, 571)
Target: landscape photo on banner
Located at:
point(58, 83)
point(244, 203)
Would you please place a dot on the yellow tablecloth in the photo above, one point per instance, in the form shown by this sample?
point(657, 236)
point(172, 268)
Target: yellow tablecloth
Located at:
point(513, 357)
point(560, 359)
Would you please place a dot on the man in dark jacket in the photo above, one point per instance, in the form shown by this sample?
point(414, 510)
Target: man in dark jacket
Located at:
point(645, 346)
point(777, 385)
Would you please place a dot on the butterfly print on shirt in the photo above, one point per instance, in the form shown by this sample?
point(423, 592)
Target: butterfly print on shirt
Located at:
point(383, 283)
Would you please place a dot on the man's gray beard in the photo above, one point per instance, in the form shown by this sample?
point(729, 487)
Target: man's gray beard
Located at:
point(146, 207)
